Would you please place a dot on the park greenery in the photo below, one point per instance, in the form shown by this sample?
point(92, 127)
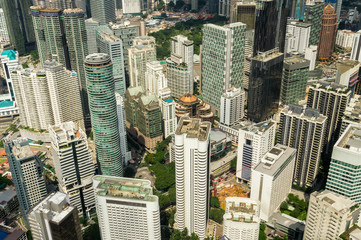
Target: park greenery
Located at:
point(295, 207)
point(92, 232)
point(191, 29)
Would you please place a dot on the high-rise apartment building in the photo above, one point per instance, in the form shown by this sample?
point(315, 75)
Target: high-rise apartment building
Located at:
point(103, 11)
point(155, 77)
point(142, 52)
point(126, 32)
point(126, 154)
point(313, 16)
point(265, 85)
point(348, 74)
point(241, 219)
point(4, 33)
point(311, 55)
point(192, 159)
point(48, 96)
point(294, 79)
point(329, 215)
point(303, 129)
point(167, 105)
point(113, 46)
point(103, 111)
point(178, 77)
point(132, 7)
point(331, 100)
point(73, 165)
point(297, 37)
point(224, 8)
point(27, 173)
point(183, 47)
point(9, 62)
point(222, 61)
point(254, 141)
point(76, 37)
point(126, 208)
point(50, 35)
point(352, 114)
point(356, 47)
point(55, 217)
point(232, 106)
point(144, 116)
point(272, 179)
point(344, 39)
point(64, 94)
point(344, 173)
point(328, 33)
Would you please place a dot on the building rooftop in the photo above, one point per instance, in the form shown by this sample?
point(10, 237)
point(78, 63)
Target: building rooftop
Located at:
point(120, 188)
point(350, 141)
point(150, 100)
point(21, 149)
point(217, 135)
point(135, 91)
point(347, 65)
point(65, 133)
point(55, 207)
point(107, 35)
point(242, 210)
point(188, 98)
point(336, 201)
point(300, 24)
point(331, 86)
point(300, 111)
point(258, 128)
point(288, 221)
point(6, 104)
point(194, 128)
point(11, 54)
point(97, 59)
point(273, 160)
point(7, 196)
point(269, 55)
point(295, 62)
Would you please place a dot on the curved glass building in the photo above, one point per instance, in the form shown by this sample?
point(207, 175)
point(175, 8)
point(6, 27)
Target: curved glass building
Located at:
point(103, 112)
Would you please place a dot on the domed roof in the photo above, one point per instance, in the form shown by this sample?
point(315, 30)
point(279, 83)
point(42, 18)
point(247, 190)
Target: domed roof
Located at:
point(329, 9)
point(188, 98)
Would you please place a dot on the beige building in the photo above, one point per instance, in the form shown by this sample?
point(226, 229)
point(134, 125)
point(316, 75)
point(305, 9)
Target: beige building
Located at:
point(329, 215)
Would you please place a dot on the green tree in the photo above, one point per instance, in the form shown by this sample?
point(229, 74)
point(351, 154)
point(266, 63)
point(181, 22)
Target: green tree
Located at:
point(234, 163)
point(262, 234)
point(129, 172)
point(92, 232)
point(1, 144)
point(216, 214)
point(215, 202)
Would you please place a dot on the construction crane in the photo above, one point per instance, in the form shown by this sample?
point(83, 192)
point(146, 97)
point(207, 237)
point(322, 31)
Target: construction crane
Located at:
point(221, 180)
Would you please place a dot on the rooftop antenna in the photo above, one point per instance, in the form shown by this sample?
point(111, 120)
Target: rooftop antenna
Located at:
point(71, 4)
point(51, 4)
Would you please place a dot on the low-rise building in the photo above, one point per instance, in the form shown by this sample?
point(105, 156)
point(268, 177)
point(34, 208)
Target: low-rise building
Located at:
point(191, 106)
point(284, 225)
point(352, 114)
point(8, 202)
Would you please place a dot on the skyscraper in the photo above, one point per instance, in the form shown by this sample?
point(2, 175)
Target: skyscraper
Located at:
point(294, 79)
point(192, 159)
point(48, 96)
point(27, 173)
point(265, 85)
point(76, 36)
point(50, 35)
point(348, 74)
point(142, 52)
point(155, 78)
point(103, 111)
point(329, 215)
point(126, 154)
point(55, 218)
point(9, 61)
point(4, 33)
point(272, 179)
point(126, 208)
point(328, 33)
point(103, 11)
point(297, 37)
point(222, 61)
point(254, 141)
point(113, 46)
point(313, 16)
point(91, 26)
point(270, 26)
point(73, 165)
point(232, 106)
point(183, 47)
point(167, 105)
point(331, 100)
point(311, 55)
point(303, 129)
point(241, 219)
point(344, 173)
